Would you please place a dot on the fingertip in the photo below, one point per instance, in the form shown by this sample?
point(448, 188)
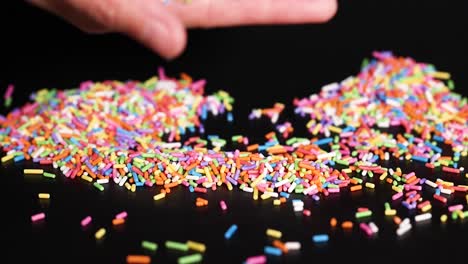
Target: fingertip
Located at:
point(176, 41)
point(328, 9)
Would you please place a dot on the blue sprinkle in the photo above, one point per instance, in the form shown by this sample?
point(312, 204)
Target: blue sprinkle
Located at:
point(322, 238)
point(323, 141)
point(419, 158)
point(18, 158)
point(272, 251)
point(230, 117)
point(230, 232)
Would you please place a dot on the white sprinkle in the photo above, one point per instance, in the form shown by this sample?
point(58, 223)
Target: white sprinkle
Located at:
point(293, 245)
point(403, 229)
point(432, 184)
point(102, 181)
point(423, 217)
point(373, 227)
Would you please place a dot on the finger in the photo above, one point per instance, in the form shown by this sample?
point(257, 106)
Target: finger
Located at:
point(64, 10)
point(215, 13)
point(147, 21)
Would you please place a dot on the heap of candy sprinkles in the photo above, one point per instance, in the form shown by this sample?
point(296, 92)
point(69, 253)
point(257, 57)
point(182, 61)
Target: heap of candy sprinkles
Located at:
point(134, 134)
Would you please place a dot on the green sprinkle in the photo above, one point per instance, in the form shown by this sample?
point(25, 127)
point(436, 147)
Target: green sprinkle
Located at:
point(291, 141)
point(363, 214)
point(194, 258)
point(49, 175)
point(450, 84)
point(343, 162)
point(358, 180)
point(149, 245)
point(387, 206)
point(454, 215)
point(176, 245)
point(98, 186)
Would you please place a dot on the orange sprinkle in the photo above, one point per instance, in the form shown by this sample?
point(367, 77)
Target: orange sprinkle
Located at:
point(280, 245)
point(356, 188)
point(347, 225)
point(138, 259)
point(252, 147)
point(118, 221)
point(270, 135)
point(333, 222)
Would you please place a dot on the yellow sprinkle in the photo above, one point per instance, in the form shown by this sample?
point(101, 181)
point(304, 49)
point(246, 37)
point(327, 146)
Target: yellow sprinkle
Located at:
point(390, 212)
point(255, 194)
point(258, 179)
point(334, 129)
point(396, 189)
point(196, 246)
point(274, 233)
point(208, 174)
point(86, 178)
point(443, 218)
point(426, 208)
point(441, 75)
point(265, 196)
point(317, 129)
point(33, 171)
point(44, 196)
point(461, 214)
point(100, 233)
point(310, 123)
point(229, 186)
point(347, 170)
point(7, 158)
point(159, 196)
point(119, 166)
point(383, 176)
point(370, 185)
point(276, 202)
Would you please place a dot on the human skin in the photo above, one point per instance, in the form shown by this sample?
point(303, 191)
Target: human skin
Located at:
point(162, 26)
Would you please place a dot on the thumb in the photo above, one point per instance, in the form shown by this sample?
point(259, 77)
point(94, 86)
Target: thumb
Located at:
point(147, 21)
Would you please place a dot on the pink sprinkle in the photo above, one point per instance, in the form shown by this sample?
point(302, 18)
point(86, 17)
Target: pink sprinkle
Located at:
point(223, 205)
point(9, 91)
point(455, 207)
point(260, 259)
point(409, 175)
point(121, 215)
point(37, 217)
point(161, 73)
point(86, 221)
point(363, 209)
point(397, 196)
point(306, 212)
point(366, 229)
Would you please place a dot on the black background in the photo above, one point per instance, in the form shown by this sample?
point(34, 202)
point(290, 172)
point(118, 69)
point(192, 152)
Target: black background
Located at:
point(258, 66)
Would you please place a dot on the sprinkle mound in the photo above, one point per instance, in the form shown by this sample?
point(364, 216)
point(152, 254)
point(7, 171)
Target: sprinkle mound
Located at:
point(113, 131)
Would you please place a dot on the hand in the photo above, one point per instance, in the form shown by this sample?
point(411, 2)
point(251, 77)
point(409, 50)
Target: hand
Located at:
point(161, 26)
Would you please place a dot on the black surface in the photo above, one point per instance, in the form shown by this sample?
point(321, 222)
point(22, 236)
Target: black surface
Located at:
point(280, 63)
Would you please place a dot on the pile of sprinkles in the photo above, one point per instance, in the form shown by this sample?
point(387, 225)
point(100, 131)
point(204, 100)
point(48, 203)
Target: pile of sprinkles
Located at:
point(134, 134)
